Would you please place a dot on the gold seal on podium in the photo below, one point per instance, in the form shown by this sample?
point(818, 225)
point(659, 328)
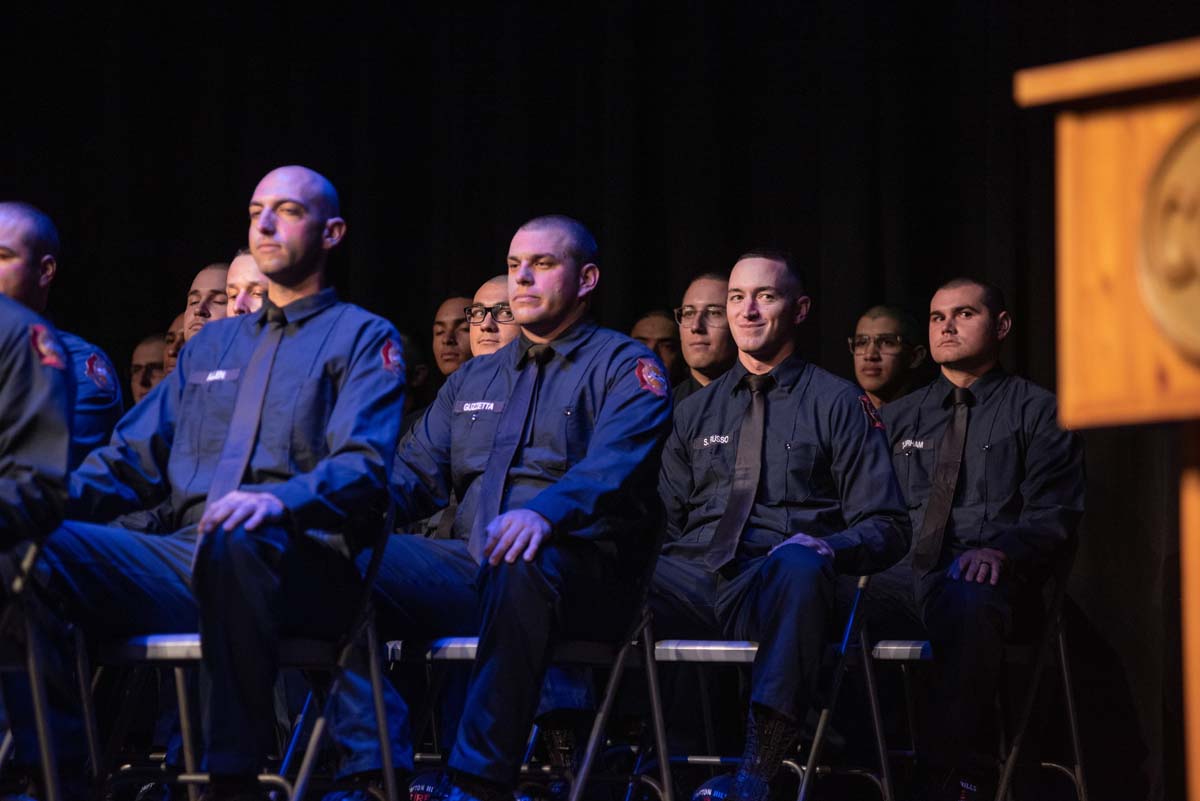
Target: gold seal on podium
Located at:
point(1169, 273)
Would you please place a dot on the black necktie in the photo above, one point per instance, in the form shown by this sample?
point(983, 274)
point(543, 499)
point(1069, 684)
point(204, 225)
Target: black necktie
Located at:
point(247, 408)
point(504, 446)
point(747, 468)
point(928, 549)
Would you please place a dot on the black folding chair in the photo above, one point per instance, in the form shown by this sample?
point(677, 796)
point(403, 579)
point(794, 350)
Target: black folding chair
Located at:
point(23, 650)
point(180, 651)
point(853, 639)
point(1051, 644)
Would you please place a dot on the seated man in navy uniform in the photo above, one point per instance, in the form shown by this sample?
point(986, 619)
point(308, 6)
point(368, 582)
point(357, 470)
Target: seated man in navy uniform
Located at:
point(551, 445)
point(995, 489)
point(775, 478)
point(273, 435)
point(29, 256)
point(35, 442)
point(705, 342)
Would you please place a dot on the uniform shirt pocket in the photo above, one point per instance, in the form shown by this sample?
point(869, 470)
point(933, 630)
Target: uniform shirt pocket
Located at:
point(914, 469)
point(801, 474)
point(208, 402)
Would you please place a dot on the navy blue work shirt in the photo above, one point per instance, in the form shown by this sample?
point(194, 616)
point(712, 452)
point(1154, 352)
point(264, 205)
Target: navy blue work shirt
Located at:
point(98, 402)
point(330, 422)
point(1020, 489)
point(826, 470)
point(35, 425)
point(590, 452)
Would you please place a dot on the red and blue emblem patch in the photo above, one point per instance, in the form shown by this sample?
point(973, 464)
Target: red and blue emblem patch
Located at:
point(650, 377)
point(392, 356)
point(98, 370)
point(46, 346)
point(871, 412)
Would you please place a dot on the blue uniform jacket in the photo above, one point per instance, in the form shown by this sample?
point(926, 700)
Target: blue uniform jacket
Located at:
point(1021, 485)
point(330, 422)
point(98, 402)
point(826, 470)
point(35, 433)
point(590, 457)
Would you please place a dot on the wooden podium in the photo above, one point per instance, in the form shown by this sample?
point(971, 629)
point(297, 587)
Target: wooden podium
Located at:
point(1128, 205)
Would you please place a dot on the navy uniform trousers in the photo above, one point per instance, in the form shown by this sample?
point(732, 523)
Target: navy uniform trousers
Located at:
point(784, 601)
point(260, 586)
point(433, 588)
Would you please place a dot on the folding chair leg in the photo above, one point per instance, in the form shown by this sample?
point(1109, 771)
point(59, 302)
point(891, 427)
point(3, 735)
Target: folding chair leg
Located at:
point(1072, 720)
point(597, 735)
point(814, 753)
point(41, 712)
point(381, 722)
point(309, 762)
point(656, 711)
point(289, 755)
point(183, 703)
point(885, 768)
point(83, 676)
point(1018, 740)
point(6, 747)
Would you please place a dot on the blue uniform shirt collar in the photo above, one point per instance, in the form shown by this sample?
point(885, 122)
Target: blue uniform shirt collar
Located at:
point(564, 345)
point(300, 310)
point(786, 373)
point(981, 389)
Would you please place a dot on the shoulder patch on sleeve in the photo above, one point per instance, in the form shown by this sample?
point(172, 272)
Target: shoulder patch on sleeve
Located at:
point(651, 378)
point(99, 372)
point(871, 412)
point(392, 358)
point(46, 346)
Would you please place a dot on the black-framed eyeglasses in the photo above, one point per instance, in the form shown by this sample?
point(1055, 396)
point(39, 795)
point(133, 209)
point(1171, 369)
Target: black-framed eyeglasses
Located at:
point(713, 316)
point(501, 313)
point(886, 343)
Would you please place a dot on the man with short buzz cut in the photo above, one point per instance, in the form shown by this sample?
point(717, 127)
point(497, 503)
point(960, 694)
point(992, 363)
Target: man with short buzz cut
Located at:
point(173, 343)
point(996, 491)
point(245, 285)
point(206, 299)
point(451, 334)
point(657, 331)
point(888, 348)
point(28, 266)
point(146, 366)
point(775, 478)
point(551, 446)
point(491, 317)
point(268, 449)
point(708, 347)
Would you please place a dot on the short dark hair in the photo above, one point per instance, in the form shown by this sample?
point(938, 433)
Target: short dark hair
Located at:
point(43, 235)
point(709, 275)
point(910, 329)
point(582, 248)
point(993, 298)
point(783, 257)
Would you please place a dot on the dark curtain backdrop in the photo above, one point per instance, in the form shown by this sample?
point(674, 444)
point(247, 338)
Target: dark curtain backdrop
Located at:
point(877, 140)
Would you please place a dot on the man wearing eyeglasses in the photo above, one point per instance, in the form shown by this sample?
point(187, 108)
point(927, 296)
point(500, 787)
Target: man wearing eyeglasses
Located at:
point(491, 318)
point(707, 345)
point(887, 349)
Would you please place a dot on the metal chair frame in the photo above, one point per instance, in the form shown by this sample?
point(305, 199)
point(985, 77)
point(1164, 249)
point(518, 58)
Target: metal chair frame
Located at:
point(180, 651)
point(31, 660)
point(1051, 644)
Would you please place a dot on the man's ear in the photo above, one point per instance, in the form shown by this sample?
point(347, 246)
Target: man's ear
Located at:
point(47, 269)
point(1003, 325)
point(589, 279)
point(335, 231)
point(803, 306)
point(918, 357)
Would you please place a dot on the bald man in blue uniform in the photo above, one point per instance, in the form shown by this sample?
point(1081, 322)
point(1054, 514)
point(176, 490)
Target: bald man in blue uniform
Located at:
point(30, 241)
point(552, 445)
point(273, 552)
point(775, 478)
